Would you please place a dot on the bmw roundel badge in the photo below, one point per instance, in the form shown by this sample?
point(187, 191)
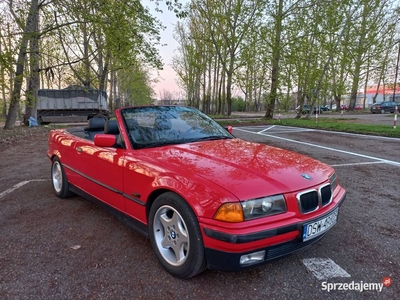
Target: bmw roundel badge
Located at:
point(306, 176)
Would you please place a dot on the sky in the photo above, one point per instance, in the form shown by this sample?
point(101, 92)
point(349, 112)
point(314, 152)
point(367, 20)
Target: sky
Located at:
point(167, 76)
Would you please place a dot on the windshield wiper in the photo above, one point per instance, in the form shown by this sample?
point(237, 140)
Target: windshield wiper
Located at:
point(181, 141)
point(155, 144)
point(209, 138)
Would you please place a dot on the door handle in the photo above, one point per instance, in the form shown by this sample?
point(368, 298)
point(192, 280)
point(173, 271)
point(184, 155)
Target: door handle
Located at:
point(79, 149)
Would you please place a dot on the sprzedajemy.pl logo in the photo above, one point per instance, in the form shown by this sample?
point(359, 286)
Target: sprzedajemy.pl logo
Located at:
point(356, 286)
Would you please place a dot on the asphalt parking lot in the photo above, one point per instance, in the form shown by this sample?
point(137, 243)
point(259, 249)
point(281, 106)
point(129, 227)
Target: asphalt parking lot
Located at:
point(72, 249)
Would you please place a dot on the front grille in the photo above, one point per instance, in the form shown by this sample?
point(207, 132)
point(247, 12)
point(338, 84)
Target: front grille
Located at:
point(308, 201)
point(326, 195)
point(311, 200)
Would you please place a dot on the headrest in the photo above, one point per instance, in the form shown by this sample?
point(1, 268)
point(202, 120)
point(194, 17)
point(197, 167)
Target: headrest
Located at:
point(96, 124)
point(111, 127)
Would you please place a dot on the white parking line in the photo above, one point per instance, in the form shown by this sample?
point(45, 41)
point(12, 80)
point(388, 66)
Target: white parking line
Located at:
point(268, 128)
point(361, 135)
point(326, 148)
point(324, 268)
point(336, 132)
point(17, 186)
point(293, 130)
point(279, 130)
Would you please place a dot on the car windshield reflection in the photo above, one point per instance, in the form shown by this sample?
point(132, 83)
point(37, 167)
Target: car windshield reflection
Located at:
point(154, 126)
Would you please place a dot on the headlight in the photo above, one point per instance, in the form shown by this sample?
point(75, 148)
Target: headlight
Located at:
point(262, 207)
point(334, 182)
point(251, 209)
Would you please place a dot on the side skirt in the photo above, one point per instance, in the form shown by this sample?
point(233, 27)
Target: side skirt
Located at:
point(124, 218)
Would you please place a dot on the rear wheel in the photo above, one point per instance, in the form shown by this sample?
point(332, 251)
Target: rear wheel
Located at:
point(40, 121)
point(382, 111)
point(175, 236)
point(59, 180)
point(100, 116)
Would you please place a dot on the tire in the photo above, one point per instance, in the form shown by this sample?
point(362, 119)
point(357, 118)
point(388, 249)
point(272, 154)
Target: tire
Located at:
point(100, 116)
point(175, 236)
point(40, 121)
point(382, 111)
point(59, 180)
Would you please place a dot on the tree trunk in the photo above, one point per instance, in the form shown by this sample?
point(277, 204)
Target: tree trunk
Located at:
point(219, 111)
point(19, 74)
point(229, 94)
point(359, 59)
point(275, 63)
point(111, 95)
point(32, 93)
point(3, 88)
point(86, 61)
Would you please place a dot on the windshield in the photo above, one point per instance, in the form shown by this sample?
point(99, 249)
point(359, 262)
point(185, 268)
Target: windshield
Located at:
point(153, 126)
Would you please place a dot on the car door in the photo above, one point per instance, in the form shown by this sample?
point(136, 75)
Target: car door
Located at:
point(138, 179)
point(100, 172)
point(392, 106)
point(387, 106)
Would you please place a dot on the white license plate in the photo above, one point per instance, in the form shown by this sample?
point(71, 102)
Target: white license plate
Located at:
point(314, 229)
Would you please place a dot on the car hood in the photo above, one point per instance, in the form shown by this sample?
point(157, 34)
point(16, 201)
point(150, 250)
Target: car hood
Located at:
point(247, 170)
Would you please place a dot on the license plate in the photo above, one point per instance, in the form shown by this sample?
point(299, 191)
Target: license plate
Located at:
point(314, 229)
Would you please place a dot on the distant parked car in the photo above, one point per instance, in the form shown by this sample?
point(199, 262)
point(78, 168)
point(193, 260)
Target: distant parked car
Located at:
point(357, 107)
point(307, 108)
point(324, 107)
point(383, 107)
point(344, 107)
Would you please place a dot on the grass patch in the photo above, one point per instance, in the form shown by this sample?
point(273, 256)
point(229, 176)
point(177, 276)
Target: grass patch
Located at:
point(343, 125)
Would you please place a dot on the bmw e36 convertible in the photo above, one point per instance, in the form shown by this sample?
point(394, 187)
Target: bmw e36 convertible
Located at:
point(204, 198)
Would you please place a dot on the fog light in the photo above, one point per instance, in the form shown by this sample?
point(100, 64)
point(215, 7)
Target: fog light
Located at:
point(252, 258)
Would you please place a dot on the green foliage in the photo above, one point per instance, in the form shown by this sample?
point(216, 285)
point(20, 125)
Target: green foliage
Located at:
point(134, 83)
point(7, 60)
point(237, 104)
point(307, 49)
point(285, 103)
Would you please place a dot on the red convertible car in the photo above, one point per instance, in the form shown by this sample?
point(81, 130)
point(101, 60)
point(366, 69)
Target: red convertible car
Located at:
point(204, 198)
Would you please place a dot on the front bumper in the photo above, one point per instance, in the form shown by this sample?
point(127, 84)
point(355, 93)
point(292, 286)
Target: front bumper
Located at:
point(230, 261)
point(225, 261)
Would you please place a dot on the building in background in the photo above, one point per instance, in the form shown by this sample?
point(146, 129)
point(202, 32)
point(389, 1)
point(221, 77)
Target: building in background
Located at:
point(380, 95)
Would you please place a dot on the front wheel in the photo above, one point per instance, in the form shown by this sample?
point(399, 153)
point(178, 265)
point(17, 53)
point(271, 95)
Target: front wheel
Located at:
point(175, 236)
point(59, 180)
point(382, 111)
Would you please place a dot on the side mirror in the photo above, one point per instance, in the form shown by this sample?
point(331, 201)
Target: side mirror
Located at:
point(105, 140)
point(229, 129)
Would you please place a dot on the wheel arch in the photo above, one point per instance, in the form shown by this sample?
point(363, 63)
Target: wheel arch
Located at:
point(202, 196)
point(54, 155)
point(154, 194)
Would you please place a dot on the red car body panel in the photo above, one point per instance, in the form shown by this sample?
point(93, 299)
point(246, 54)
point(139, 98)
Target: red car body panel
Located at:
point(206, 174)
